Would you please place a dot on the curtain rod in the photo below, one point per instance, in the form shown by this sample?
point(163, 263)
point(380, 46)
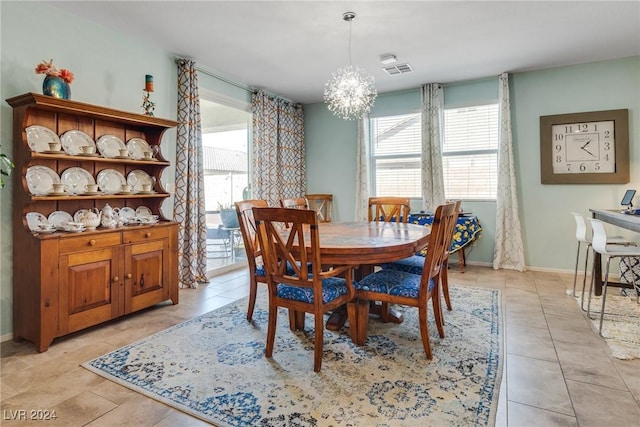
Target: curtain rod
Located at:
point(242, 86)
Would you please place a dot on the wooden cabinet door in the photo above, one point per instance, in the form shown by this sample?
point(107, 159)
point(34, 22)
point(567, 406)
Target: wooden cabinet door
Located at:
point(146, 273)
point(90, 288)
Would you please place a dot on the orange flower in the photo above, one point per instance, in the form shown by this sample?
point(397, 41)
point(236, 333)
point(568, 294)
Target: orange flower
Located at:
point(66, 75)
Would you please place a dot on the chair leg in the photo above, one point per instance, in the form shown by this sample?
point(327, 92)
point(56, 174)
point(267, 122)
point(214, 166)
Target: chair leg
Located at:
point(604, 294)
point(584, 278)
point(296, 320)
point(575, 272)
point(593, 274)
point(437, 314)
point(319, 340)
point(253, 290)
point(271, 328)
point(362, 322)
point(445, 283)
point(424, 330)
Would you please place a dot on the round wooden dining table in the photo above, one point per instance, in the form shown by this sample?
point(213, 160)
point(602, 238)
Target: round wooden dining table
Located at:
point(366, 244)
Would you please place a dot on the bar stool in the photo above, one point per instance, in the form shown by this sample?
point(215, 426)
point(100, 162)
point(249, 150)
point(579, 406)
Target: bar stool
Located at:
point(581, 237)
point(600, 245)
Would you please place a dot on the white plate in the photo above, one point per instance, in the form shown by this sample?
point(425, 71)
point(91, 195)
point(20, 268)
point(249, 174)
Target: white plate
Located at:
point(110, 181)
point(127, 214)
point(76, 179)
point(137, 147)
point(34, 219)
point(39, 137)
point(58, 218)
point(143, 211)
point(40, 180)
point(74, 140)
point(109, 146)
point(137, 178)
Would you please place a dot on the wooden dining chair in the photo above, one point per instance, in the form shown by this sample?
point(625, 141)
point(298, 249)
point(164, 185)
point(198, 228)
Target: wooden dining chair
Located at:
point(257, 273)
point(291, 283)
point(414, 264)
point(400, 287)
point(388, 209)
point(322, 204)
point(295, 203)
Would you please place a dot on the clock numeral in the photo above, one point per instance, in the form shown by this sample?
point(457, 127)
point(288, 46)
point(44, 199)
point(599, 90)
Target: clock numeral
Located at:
point(568, 129)
point(558, 147)
point(597, 166)
point(558, 159)
point(583, 127)
point(607, 146)
point(568, 167)
point(559, 136)
point(607, 133)
point(583, 167)
point(606, 157)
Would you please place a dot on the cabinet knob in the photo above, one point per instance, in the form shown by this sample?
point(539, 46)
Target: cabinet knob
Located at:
point(129, 276)
point(147, 234)
point(92, 242)
point(115, 279)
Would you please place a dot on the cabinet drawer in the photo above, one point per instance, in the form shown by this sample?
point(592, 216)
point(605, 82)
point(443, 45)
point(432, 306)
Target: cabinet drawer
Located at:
point(143, 234)
point(89, 241)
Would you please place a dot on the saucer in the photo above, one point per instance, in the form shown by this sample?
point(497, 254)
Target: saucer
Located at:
point(88, 154)
point(146, 192)
point(123, 157)
point(53, 152)
point(91, 193)
point(125, 192)
point(54, 194)
point(46, 231)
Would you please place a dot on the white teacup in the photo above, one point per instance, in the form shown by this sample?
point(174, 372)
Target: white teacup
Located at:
point(46, 226)
point(73, 226)
point(123, 152)
point(148, 155)
point(88, 149)
point(125, 188)
point(54, 146)
point(91, 188)
point(58, 188)
point(146, 187)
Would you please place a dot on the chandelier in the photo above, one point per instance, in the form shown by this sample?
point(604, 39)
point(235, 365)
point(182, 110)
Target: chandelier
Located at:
point(350, 92)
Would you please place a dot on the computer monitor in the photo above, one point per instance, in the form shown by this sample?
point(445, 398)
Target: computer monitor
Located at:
point(628, 197)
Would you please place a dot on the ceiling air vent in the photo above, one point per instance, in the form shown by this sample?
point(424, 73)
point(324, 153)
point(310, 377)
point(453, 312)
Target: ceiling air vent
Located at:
point(393, 70)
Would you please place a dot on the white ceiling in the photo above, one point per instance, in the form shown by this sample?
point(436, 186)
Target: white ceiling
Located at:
point(290, 48)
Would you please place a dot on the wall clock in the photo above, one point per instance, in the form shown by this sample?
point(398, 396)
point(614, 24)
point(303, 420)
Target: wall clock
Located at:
point(585, 148)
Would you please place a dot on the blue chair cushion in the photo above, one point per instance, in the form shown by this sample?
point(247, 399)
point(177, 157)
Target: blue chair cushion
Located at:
point(332, 288)
point(392, 282)
point(413, 264)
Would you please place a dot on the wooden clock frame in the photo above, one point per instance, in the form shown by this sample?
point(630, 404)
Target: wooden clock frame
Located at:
point(621, 131)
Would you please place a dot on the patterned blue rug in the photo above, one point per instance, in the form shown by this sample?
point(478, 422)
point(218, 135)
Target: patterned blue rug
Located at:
point(214, 368)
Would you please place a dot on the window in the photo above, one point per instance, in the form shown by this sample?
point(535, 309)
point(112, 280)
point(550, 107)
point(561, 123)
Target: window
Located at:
point(470, 152)
point(396, 146)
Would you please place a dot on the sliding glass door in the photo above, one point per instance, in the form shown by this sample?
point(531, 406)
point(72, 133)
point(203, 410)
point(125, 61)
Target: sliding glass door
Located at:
point(226, 135)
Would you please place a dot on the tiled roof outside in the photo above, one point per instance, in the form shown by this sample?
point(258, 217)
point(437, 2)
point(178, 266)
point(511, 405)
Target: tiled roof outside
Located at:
point(223, 160)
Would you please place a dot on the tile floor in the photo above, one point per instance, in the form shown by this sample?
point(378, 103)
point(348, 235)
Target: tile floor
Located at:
point(558, 372)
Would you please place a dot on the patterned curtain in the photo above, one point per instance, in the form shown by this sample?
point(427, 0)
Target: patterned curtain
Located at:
point(189, 207)
point(432, 176)
point(278, 149)
point(509, 249)
point(362, 171)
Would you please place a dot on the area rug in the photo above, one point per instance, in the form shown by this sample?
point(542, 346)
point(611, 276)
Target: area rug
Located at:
point(214, 368)
point(621, 325)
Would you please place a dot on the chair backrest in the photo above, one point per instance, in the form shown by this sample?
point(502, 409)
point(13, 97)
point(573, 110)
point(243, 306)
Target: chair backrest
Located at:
point(581, 228)
point(295, 203)
point(389, 209)
point(439, 242)
point(283, 262)
point(452, 227)
point(322, 204)
point(599, 242)
point(244, 209)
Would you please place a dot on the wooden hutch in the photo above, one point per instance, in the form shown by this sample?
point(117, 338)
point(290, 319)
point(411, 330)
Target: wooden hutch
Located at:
point(65, 281)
